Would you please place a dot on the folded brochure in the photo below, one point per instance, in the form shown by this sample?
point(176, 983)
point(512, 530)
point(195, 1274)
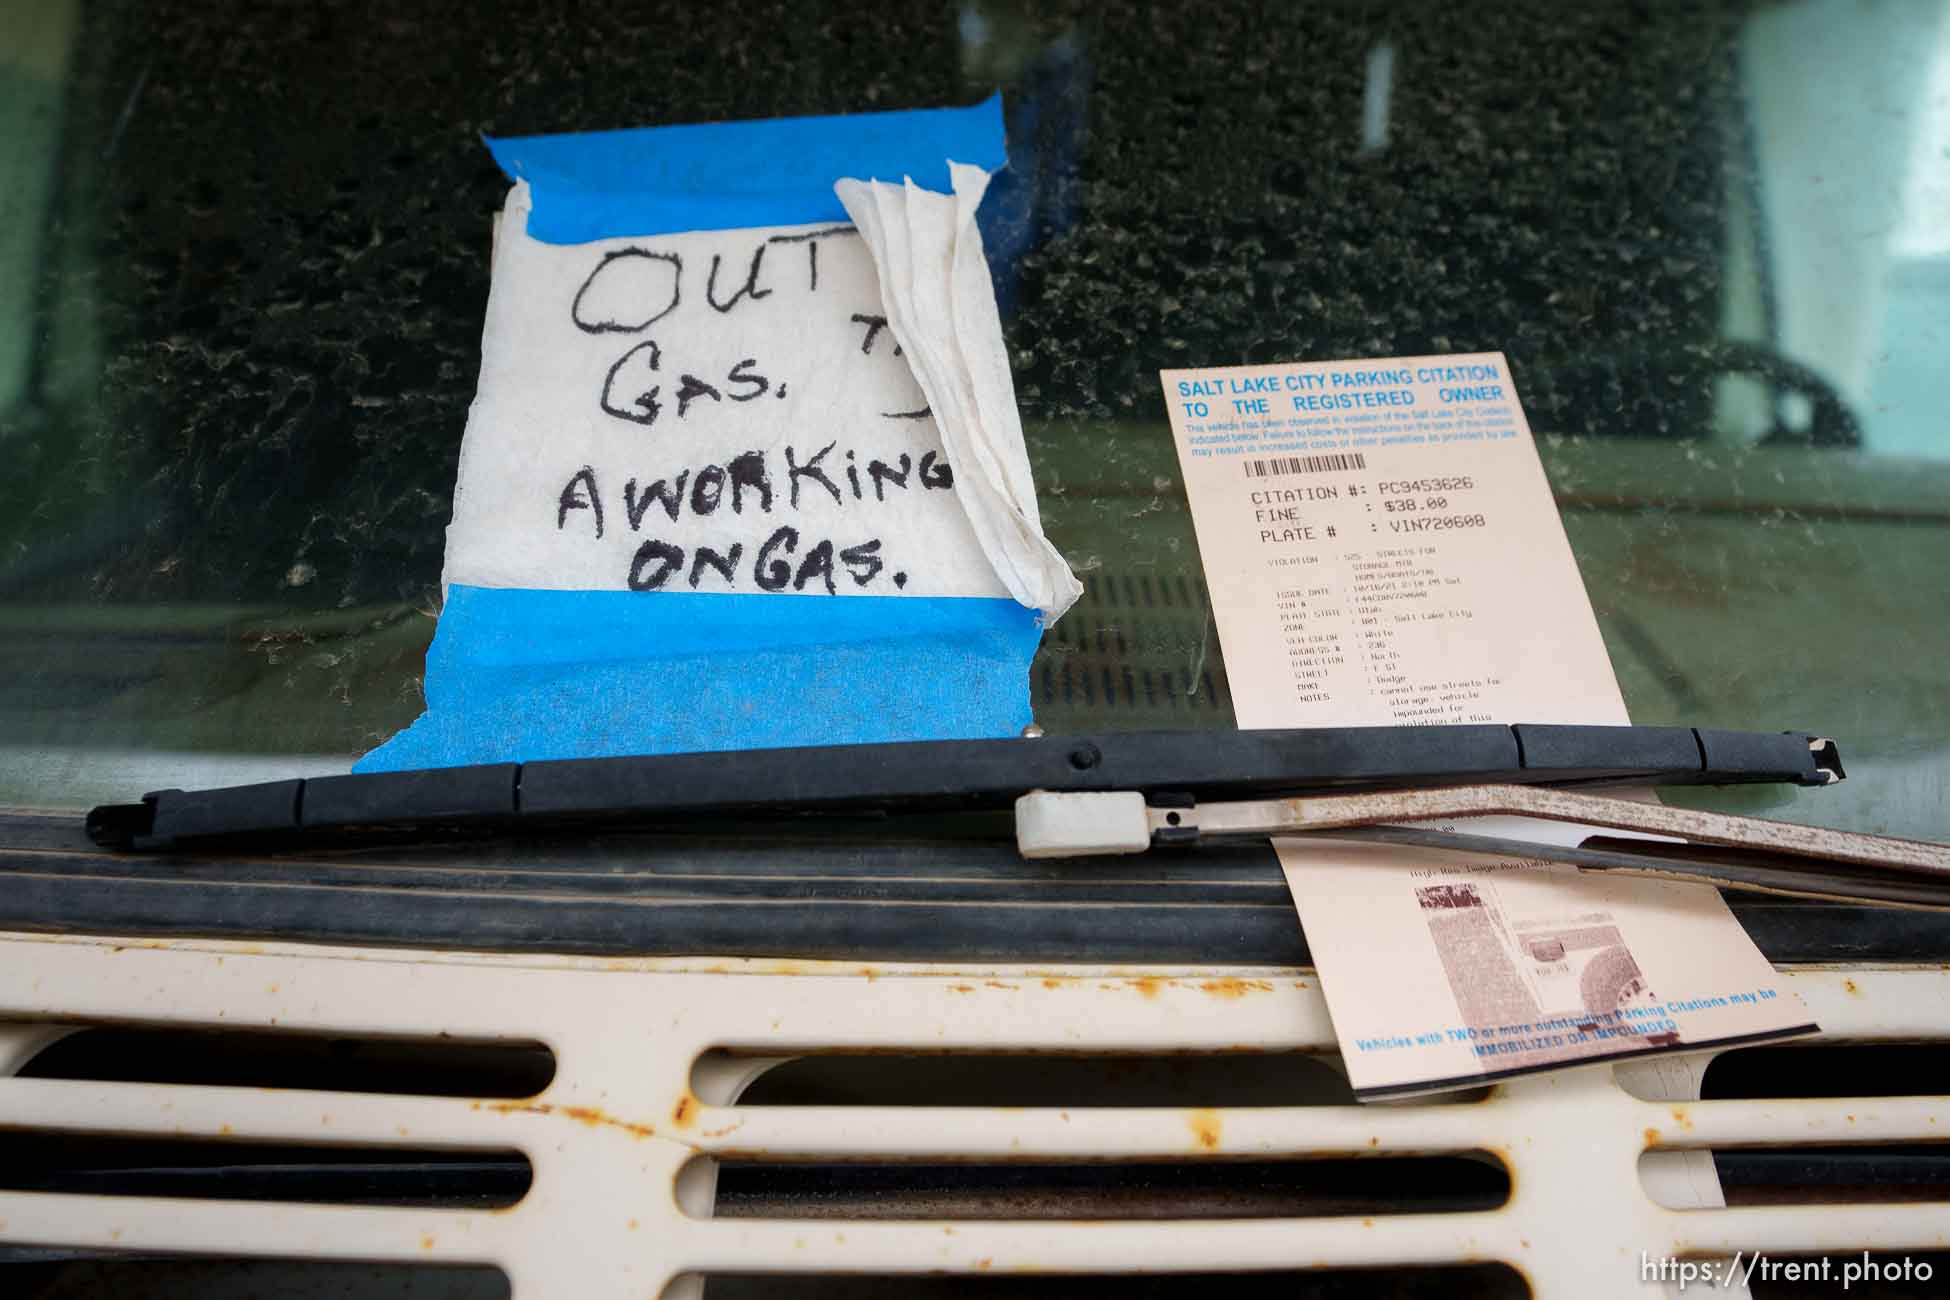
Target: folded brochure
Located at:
point(1382, 548)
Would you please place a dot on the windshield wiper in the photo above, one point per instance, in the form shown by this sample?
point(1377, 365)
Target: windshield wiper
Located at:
point(934, 776)
point(1747, 853)
point(1120, 793)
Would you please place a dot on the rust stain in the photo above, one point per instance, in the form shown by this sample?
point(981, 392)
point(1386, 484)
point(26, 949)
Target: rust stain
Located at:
point(1652, 1137)
point(634, 1225)
point(1849, 1118)
point(115, 1235)
point(223, 1130)
point(998, 984)
point(984, 1264)
point(1236, 988)
point(870, 972)
point(726, 1131)
point(270, 988)
point(426, 1242)
point(588, 1115)
point(1050, 983)
point(1681, 1118)
point(1367, 1223)
point(1374, 1141)
point(686, 1111)
point(1148, 985)
point(1850, 986)
point(1205, 1128)
point(961, 988)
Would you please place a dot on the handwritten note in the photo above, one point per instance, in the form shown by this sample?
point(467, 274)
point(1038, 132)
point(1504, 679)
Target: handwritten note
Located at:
point(723, 411)
point(685, 416)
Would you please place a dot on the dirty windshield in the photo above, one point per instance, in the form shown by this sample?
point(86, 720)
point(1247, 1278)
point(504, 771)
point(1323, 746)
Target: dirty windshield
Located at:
point(245, 252)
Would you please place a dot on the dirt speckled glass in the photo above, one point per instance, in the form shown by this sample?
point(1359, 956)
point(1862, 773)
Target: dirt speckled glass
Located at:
point(244, 258)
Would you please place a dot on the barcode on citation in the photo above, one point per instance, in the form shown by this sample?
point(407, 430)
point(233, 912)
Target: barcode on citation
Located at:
point(1328, 463)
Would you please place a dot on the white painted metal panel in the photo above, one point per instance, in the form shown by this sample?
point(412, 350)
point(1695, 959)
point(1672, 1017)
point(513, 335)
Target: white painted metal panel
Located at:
point(620, 1200)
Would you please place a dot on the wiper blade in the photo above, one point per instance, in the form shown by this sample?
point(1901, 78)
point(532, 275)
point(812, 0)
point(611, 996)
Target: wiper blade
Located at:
point(1746, 853)
point(932, 776)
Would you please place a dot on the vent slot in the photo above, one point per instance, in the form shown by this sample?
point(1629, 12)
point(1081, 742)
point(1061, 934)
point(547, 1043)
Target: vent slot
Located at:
point(1037, 1190)
point(248, 1279)
point(1829, 1070)
point(1030, 1080)
point(301, 1062)
point(234, 1170)
point(1458, 1282)
point(1834, 1175)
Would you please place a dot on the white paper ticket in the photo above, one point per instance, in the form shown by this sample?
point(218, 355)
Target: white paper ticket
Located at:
point(1382, 549)
point(1381, 546)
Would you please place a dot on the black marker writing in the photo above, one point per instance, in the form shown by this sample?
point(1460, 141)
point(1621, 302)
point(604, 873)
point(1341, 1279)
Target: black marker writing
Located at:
point(629, 393)
point(660, 492)
point(750, 288)
point(689, 389)
point(626, 393)
point(794, 472)
point(874, 325)
point(579, 493)
point(654, 563)
point(747, 476)
point(748, 471)
point(811, 240)
point(707, 489)
point(882, 475)
point(726, 564)
point(863, 561)
point(630, 290)
point(772, 574)
point(817, 564)
point(741, 374)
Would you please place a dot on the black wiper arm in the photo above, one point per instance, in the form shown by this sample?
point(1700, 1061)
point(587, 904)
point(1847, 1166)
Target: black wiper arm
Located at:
point(963, 775)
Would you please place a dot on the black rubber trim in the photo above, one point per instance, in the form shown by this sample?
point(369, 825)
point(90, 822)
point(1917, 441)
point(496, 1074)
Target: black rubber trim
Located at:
point(849, 891)
point(1784, 756)
point(1620, 749)
point(432, 795)
point(270, 808)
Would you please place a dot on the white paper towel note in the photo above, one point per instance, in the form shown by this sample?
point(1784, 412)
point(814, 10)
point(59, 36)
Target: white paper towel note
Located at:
point(735, 411)
point(934, 279)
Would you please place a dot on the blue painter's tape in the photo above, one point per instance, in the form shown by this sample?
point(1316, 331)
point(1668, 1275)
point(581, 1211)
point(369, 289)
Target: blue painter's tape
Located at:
point(518, 675)
point(727, 175)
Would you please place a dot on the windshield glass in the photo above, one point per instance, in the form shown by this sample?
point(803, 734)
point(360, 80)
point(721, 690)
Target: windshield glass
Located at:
point(246, 259)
